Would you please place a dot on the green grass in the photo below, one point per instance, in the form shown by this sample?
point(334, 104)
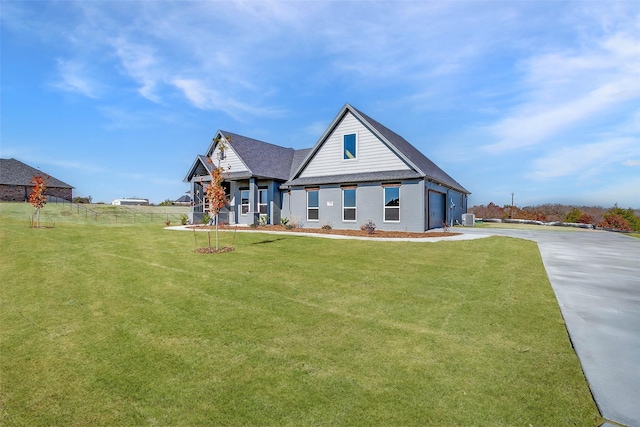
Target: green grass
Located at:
point(126, 325)
point(57, 213)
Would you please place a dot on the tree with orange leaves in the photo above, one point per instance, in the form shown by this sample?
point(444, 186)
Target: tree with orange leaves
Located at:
point(215, 194)
point(37, 197)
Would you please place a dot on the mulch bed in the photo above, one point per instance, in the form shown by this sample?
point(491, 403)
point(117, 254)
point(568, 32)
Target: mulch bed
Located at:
point(208, 250)
point(358, 233)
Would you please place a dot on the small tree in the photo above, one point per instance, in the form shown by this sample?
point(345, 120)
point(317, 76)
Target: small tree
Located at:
point(215, 193)
point(37, 197)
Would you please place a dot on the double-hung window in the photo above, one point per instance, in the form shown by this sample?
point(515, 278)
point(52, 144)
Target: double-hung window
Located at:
point(262, 204)
point(313, 205)
point(349, 147)
point(349, 204)
point(392, 204)
point(244, 202)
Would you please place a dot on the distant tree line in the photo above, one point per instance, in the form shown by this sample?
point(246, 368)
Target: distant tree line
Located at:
point(614, 218)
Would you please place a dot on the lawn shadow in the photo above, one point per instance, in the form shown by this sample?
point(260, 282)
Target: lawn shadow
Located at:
point(268, 241)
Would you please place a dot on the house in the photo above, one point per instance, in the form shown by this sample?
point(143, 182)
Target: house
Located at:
point(130, 202)
point(359, 170)
point(184, 200)
point(15, 182)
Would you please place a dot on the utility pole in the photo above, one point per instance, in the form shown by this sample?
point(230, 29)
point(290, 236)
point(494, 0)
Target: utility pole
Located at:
point(511, 214)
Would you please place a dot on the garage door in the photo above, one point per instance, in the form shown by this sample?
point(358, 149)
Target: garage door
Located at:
point(436, 209)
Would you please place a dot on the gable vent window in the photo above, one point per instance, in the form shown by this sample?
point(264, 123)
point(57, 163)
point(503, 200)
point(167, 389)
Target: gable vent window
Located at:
point(349, 147)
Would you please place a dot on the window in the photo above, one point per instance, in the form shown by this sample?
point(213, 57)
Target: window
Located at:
point(348, 204)
point(349, 147)
point(262, 205)
point(244, 202)
point(391, 204)
point(313, 205)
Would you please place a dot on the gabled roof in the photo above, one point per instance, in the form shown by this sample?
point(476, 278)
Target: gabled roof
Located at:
point(14, 172)
point(423, 167)
point(262, 159)
point(200, 162)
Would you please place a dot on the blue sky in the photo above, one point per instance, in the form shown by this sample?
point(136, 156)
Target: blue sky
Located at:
point(540, 99)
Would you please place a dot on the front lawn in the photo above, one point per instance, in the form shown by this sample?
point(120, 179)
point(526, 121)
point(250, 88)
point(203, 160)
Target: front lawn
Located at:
point(126, 325)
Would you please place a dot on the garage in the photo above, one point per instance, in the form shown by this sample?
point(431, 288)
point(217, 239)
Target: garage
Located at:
point(436, 209)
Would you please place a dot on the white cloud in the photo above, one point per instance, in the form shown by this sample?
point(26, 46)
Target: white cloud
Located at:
point(74, 77)
point(563, 89)
point(206, 98)
point(140, 63)
point(631, 163)
point(586, 160)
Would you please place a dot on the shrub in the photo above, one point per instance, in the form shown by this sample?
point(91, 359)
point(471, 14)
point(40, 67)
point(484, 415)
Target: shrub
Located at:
point(326, 227)
point(585, 219)
point(184, 219)
point(284, 221)
point(206, 218)
point(615, 221)
point(573, 215)
point(368, 227)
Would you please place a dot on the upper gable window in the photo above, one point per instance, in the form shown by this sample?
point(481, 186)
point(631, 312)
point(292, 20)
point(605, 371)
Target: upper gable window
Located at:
point(349, 147)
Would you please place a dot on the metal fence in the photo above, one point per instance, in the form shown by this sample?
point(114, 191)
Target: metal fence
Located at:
point(113, 214)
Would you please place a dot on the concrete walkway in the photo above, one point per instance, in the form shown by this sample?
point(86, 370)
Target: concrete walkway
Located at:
point(596, 278)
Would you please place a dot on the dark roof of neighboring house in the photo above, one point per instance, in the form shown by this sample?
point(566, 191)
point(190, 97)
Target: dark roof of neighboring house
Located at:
point(14, 172)
point(183, 199)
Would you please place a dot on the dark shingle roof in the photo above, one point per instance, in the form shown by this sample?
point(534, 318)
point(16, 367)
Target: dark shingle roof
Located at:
point(263, 159)
point(14, 172)
point(426, 166)
point(356, 177)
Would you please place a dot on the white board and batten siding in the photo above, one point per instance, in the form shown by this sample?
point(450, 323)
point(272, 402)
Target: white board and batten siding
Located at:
point(231, 162)
point(372, 155)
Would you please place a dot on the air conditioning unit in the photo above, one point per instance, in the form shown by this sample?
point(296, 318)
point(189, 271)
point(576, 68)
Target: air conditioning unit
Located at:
point(468, 220)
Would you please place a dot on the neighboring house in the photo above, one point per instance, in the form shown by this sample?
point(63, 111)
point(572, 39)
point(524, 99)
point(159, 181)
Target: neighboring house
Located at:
point(184, 200)
point(130, 202)
point(358, 170)
point(15, 182)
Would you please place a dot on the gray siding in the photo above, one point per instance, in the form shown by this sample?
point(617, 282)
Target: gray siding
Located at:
point(231, 162)
point(369, 202)
point(372, 154)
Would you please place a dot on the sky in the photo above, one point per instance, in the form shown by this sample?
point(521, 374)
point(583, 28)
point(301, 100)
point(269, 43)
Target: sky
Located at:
point(539, 99)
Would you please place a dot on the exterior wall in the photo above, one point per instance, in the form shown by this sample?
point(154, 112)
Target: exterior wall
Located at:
point(369, 206)
point(20, 193)
point(273, 203)
point(231, 160)
point(455, 204)
point(371, 154)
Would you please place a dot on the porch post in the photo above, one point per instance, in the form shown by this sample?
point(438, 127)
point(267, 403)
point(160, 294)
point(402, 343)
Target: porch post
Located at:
point(253, 200)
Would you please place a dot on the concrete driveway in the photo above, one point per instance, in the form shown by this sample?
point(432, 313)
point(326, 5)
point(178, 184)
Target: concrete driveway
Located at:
point(596, 278)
